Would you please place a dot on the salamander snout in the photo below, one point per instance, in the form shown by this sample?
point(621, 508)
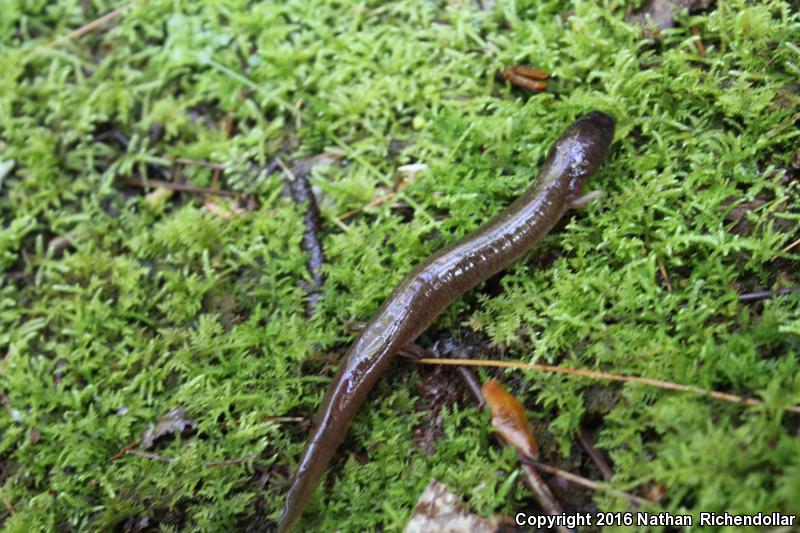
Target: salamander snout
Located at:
point(602, 122)
point(582, 146)
point(598, 132)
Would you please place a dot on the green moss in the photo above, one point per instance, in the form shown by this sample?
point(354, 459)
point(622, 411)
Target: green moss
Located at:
point(154, 306)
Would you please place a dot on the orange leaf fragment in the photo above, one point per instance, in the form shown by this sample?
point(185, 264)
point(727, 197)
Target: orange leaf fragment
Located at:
point(508, 419)
point(530, 78)
point(530, 72)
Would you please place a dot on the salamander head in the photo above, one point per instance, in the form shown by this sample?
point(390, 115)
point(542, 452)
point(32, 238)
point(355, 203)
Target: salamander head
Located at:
point(582, 146)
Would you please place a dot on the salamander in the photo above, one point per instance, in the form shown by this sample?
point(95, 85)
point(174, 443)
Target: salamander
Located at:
point(442, 278)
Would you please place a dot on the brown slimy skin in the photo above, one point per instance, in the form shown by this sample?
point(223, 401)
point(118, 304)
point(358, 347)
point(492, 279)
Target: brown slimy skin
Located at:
point(441, 279)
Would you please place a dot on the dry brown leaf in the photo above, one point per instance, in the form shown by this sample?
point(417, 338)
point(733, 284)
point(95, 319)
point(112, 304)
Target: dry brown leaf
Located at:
point(508, 418)
point(175, 421)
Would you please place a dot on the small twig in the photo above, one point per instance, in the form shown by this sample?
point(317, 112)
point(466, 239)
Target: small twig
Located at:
point(472, 384)
point(764, 295)
point(664, 275)
point(286, 170)
point(344, 227)
point(698, 43)
point(275, 419)
point(595, 454)
point(413, 350)
point(795, 243)
point(588, 483)
point(408, 171)
point(124, 450)
point(206, 164)
point(148, 455)
point(263, 479)
point(9, 506)
point(215, 179)
point(229, 125)
point(182, 187)
point(373, 203)
point(240, 460)
point(284, 419)
point(657, 383)
point(542, 492)
point(86, 28)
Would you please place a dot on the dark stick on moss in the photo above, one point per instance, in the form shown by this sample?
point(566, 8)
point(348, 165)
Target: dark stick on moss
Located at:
point(181, 187)
point(149, 455)
point(301, 192)
point(229, 462)
point(472, 384)
point(595, 454)
point(765, 295)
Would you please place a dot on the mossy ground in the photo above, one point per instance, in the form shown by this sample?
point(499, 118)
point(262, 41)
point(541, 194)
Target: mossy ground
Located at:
point(158, 304)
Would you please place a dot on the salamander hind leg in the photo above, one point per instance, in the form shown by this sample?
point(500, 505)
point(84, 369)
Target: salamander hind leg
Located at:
point(582, 201)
